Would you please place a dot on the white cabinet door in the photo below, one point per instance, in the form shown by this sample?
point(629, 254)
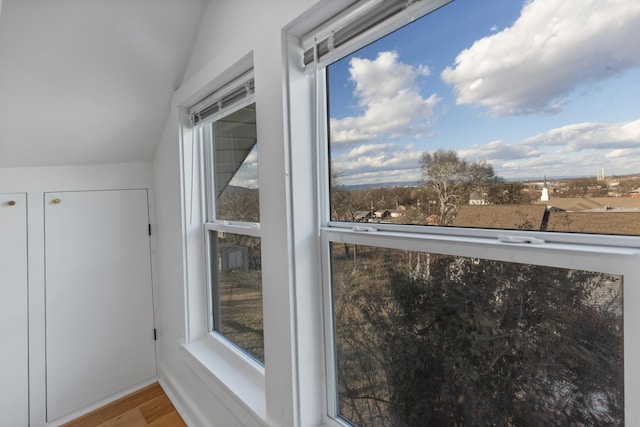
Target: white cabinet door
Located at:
point(14, 356)
point(99, 309)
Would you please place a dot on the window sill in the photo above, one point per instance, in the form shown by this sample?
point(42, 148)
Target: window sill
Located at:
point(222, 367)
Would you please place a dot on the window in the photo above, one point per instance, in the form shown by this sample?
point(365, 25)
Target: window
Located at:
point(228, 128)
point(477, 215)
point(501, 115)
point(237, 290)
point(431, 339)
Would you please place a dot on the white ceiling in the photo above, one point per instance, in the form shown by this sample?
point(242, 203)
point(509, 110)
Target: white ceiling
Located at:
point(90, 81)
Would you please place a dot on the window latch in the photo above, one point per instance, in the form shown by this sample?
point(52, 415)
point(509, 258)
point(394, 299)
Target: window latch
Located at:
point(364, 229)
point(521, 239)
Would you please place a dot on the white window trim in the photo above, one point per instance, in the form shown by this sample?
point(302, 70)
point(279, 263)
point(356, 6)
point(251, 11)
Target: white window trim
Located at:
point(229, 369)
point(604, 253)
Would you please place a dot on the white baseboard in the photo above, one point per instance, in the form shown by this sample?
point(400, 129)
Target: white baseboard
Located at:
point(99, 404)
point(190, 414)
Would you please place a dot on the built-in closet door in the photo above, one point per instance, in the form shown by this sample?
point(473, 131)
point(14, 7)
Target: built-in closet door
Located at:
point(14, 356)
point(99, 309)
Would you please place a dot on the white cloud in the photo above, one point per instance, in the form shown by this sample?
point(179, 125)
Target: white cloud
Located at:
point(584, 136)
point(586, 163)
point(371, 162)
point(552, 49)
point(390, 98)
point(367, 151)
point(499, 150)
point(247, 175)
point(572, 150)
point(569, 150)
point(624, 152)
point(543, 162)
point(400, 176)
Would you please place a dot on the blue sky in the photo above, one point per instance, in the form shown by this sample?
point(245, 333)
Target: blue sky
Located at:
point(535, 88)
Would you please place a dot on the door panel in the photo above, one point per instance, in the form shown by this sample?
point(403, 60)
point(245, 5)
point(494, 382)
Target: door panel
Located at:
point(99, 310)
point(14, 356)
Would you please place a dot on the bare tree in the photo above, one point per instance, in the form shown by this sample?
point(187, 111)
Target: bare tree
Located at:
point(238, 204)
point(508, 193)
point(346, 203)
point(453, 180)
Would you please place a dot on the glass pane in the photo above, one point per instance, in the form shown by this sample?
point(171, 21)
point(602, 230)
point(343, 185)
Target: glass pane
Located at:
point(236, 166)
point(238, 297)
point(433, 340)
point(493, 114)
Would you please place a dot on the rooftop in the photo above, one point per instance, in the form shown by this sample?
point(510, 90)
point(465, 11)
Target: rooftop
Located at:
point(539, 217)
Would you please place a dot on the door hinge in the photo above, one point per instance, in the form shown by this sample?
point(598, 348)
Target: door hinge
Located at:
point(155, 334)
point(149, 229)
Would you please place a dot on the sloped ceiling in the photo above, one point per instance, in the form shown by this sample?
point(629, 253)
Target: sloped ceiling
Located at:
point(90, 81)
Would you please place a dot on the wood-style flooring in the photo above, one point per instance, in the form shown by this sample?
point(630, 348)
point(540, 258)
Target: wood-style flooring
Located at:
point(146, 407)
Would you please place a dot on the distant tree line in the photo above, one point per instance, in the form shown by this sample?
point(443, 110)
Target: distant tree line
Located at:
point(449, 182)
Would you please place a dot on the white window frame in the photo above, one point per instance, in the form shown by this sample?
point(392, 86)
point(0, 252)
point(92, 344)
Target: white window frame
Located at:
point(226, 370)
point(211, 223)
point(599, 253)
point(588, 257)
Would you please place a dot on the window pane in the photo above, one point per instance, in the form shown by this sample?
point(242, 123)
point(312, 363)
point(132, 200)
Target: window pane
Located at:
point(236, 166)
point(238, 291)
point(493, 114)
point(428, 339)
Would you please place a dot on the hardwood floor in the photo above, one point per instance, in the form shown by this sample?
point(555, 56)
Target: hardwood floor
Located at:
point(146, 407)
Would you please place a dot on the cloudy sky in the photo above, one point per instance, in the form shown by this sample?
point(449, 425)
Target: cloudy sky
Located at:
point(247, 175)
point(540, 87)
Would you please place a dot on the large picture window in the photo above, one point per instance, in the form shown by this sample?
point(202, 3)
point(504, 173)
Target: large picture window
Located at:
point(479, 211)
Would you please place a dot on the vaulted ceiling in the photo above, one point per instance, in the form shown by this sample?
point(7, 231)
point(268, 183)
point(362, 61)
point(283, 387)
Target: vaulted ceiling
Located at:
point(90, 81)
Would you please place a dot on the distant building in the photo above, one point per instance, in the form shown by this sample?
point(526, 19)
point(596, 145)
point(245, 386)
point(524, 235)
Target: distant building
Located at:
point(545, 191)
point(510, 217)
point(233, 256)
point(388, 213)
point(478, 198)
point(633, 193)
point(362, 216)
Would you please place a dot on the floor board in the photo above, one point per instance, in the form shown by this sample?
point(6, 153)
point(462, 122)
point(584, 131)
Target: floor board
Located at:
point(149, 406)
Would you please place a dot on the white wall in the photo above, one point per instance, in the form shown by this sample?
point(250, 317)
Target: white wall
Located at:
point(76, 178)
point(35, 182)
point(230, 31)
